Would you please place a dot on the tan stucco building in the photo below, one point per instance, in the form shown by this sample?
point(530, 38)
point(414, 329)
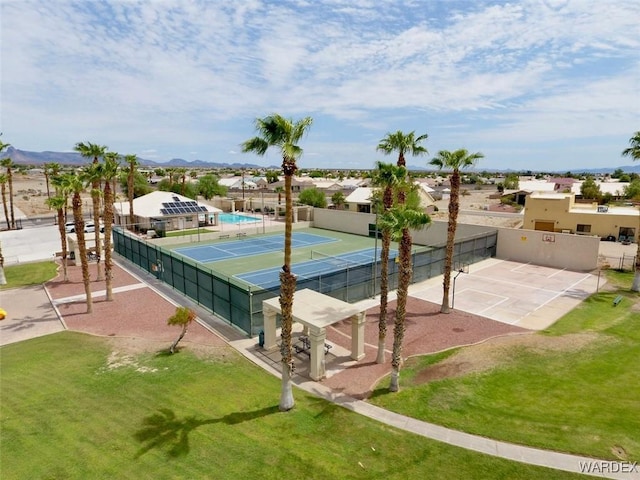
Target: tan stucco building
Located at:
point(558, 212)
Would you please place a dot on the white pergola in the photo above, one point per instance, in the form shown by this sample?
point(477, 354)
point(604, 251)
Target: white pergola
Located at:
point(316, 312)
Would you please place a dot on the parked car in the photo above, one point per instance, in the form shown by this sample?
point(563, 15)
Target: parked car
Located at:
point(89, 227)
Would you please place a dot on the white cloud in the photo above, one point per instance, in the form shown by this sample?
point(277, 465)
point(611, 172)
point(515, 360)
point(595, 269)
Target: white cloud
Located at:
point(188, 76)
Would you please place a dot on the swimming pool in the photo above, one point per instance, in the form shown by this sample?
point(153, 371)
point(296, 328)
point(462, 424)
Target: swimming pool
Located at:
point(235, 218)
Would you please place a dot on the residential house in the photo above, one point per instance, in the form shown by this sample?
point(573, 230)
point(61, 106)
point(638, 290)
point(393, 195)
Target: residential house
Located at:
point(559, 212)
point(360, 199)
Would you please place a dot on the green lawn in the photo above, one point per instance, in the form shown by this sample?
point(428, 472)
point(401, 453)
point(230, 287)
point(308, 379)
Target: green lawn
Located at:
point(583, 400)
point(70, 410)
point(29, 274)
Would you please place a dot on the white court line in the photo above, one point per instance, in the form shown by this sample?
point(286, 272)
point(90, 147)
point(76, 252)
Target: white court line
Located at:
point(556, 296)
point(497, 280)
point(556, 273)
point(516, 269)
point(99, 293)
point(504, 299)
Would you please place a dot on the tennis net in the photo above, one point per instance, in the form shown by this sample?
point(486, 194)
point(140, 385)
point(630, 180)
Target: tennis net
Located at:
point(339, 262)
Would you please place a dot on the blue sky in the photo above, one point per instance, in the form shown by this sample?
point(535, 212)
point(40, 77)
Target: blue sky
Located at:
point(537, 84)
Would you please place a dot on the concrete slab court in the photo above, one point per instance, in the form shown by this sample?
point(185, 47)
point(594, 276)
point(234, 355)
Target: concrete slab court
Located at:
point(526, 295)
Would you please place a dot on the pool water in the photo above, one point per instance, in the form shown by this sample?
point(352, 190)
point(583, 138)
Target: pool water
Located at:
point(235, 218)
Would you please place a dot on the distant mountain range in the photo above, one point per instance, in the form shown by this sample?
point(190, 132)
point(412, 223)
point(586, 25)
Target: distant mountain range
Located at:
point(23, 157)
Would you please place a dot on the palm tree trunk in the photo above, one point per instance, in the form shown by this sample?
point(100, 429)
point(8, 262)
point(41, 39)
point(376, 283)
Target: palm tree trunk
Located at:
point(635, 287)
point(46, 179)
point(108, 223)
point(82, 247)
point(287, 289)
point(286, 396)
point(95, 196)
point(454, 206)
point(13, 217)
point(63, 243)
point(384, 295)
point(130, 196)
point(404, 279)
point(4, 204)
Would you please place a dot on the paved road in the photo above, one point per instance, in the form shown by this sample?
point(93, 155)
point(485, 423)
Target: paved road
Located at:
point(30, 244)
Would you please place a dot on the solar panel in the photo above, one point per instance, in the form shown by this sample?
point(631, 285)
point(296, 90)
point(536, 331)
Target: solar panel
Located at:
point(178, 207)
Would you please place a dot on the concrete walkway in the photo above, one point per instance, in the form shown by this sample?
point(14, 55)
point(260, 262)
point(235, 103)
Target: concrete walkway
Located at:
point(29, 314)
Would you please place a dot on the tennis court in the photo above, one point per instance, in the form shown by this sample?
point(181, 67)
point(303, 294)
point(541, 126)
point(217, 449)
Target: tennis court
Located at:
point(250, 246)
point(319, 264)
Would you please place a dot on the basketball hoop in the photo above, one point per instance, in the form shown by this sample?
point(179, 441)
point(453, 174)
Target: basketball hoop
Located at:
point(462, 268)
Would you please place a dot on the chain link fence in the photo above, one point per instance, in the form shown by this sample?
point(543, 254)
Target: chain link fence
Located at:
point(240, 303)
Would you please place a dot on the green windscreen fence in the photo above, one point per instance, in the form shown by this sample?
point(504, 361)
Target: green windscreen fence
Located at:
point(240, 303)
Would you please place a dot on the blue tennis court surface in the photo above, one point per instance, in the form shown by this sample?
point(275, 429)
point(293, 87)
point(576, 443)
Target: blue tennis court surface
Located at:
point(270, 277)
point(250, 246)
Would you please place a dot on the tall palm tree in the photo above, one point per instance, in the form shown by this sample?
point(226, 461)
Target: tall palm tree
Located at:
point(94, 151)
point(387, 177)
point(633, 151)
point(58, 203)
point(75, 184)
point(132, 161)
point(399, 220)
point(60, 184)
point(181, 173)
point(284, 134)
point(109, 172)
point(92, 175)
point(403, 143)
point(3, 189)
point(278, 190)
point(51, 169)
point(455, 161)
point(8, 164)
point(169, 171)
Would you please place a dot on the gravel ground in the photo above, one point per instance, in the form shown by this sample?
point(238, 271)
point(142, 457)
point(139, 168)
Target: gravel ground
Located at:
point(135, 313)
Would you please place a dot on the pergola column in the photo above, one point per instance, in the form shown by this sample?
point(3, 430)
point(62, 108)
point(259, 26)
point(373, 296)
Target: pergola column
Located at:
point(269, 319)
point(317, 338)
point(357, 335)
